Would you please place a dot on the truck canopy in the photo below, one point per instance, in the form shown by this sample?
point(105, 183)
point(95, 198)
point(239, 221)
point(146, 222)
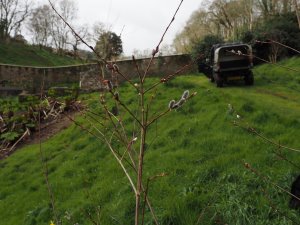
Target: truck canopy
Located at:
point(232, 56)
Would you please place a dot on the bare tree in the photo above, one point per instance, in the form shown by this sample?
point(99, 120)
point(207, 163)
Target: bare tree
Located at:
point(98, 29)
point(297, 11)
point(60, 32)
point(167, 50)
point(200, 24)
point(40, 25)
point(12, 14)
point(75, 41)
point(273, 7)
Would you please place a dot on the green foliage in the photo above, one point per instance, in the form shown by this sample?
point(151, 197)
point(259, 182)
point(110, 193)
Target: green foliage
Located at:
point(197, 146)
point(3, 25)
point(9, 136)
point(203, 47)
point(18, 116)
point(287, 25)
point(282, 28)
point(109, 45)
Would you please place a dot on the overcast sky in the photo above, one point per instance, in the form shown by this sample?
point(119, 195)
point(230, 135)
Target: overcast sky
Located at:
point(143, 20)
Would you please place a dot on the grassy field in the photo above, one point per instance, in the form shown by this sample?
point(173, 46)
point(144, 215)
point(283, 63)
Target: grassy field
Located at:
point(198, 147)
point(27, 55)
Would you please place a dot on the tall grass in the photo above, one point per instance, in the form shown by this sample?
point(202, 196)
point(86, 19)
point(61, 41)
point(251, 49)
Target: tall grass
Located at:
point(27, 55)
point(202, 156)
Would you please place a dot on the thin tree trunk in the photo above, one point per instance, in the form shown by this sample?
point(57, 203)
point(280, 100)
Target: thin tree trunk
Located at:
point(141, 156)
point(297, 12)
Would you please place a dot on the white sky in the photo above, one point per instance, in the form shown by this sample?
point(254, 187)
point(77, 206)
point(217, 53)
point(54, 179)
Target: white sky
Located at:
point(144, 20)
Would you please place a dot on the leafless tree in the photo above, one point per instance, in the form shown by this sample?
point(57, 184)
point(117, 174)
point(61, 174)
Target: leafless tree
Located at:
point(40, 25)
point(12, 14)
point(75, 41)
point(60, 32)
point(98, 29)
point(273, 7)
point(297, 11)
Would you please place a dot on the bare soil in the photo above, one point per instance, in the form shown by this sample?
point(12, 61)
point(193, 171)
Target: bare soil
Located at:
point(48, 129)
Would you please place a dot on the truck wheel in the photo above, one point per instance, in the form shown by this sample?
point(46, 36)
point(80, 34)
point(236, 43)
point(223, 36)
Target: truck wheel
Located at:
point(249, 79)
point(218, 79)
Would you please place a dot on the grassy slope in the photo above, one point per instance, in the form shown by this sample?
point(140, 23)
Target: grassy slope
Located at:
point(20, 54)
point(197, 146)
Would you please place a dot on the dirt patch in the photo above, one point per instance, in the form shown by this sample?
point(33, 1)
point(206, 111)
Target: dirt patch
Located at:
point(48, 130)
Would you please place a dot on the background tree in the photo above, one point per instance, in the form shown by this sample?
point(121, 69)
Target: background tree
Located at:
point(279, 28)
point(199, 25)
point(203, 47)
point(145, 53)
point(60, 32)
point(13, 13)
point(166, 49)
point(270, 8)
point(98, 29)
point(40, 25)
point(295, 2)
point(75, 41)
point(109, 45)
point(247, 20)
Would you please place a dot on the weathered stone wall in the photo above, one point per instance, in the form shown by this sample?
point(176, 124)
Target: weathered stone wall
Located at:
point(161, 66)
point(32, 78)
point(88, 75)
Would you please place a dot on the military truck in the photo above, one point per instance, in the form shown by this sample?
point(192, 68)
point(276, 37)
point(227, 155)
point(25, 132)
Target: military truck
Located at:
point(227, 62)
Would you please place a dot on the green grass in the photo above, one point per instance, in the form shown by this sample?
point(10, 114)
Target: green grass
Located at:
point(27, 55)
point(197, 146)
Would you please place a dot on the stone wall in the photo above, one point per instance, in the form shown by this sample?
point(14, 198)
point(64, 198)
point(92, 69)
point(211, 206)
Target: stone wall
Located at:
point(161, 66)
point(32, 78)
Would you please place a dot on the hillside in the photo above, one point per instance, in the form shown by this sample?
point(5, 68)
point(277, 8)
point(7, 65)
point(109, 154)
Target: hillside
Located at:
point(27, 55)
point(198, 147)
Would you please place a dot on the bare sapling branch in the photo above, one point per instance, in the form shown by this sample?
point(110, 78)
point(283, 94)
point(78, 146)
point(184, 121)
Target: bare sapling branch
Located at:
point(156, 50)
point(266, 179)
point(117, 99)
point(43, 160)
point(75, 33)
point(276, 210)
point(167, 78)
point(115, 154)
point(173, 105)
point(132, 165)
point(115, 69)
point(263, 60)
point(122, 165)
point(280, 156)
point(137, 68)
point(146, 192)
point(114, 128)
point(276, 42)
point(241, 123)
point(254, 131)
